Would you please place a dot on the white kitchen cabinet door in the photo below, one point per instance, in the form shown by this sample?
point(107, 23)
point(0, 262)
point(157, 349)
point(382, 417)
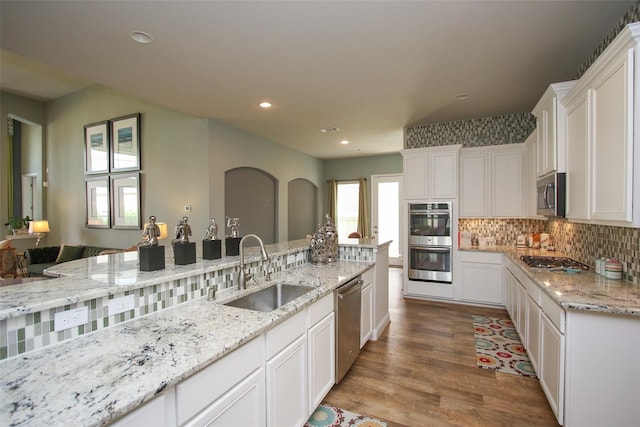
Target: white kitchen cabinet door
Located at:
point(522, 315)
point(508, 194)
point(287, 386)
point(578, 159)
point(551, 121)
point(158, 412)
point(241, 406)
point(366, 314)
point(203, 390)
point(481, 277)
point(415, 175)
point(474, 184)
point(547, 160)
point(612, 127)
point(531, 176)
point(431, 173)
point(492, 181)
point(533, 332)
point(322, 374)
point(444, 174)
point(551, 372)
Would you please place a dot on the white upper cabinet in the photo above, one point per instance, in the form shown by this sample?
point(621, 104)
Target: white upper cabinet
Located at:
point(577, 159)
point(612, 160)
point(603, 136)
point(550, 129)
point(493, 181)
point(431, 173)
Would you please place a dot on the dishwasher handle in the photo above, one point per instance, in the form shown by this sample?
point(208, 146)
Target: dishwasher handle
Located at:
point(350, 289)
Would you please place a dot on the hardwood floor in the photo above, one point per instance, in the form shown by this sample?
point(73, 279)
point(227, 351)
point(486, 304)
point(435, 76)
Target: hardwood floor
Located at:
point(422, 372)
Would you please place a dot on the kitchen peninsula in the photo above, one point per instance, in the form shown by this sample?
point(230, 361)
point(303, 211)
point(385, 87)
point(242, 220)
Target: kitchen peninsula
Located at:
point(175, 331)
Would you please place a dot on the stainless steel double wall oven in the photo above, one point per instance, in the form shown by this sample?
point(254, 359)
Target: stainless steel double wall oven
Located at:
point(430, 241)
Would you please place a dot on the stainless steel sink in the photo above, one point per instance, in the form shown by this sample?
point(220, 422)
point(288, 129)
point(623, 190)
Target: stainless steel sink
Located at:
point(268, 299)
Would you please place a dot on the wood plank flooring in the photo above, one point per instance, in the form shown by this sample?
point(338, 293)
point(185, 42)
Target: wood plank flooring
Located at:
point(422, 372)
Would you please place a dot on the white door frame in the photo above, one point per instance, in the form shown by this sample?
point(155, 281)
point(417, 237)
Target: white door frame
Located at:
point(375, 180)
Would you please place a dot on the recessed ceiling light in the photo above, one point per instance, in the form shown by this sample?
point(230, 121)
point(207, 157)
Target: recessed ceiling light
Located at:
point(141, 37)
point(462, 96)
point(329, 130)
point(344, 142)
point(265, 104)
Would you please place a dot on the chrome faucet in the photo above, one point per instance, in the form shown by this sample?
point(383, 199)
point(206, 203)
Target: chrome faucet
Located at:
point(243, 276)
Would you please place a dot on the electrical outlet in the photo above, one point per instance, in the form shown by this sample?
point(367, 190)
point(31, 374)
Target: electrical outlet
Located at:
point(122, 304)
point(70, 318)
point(187, 208)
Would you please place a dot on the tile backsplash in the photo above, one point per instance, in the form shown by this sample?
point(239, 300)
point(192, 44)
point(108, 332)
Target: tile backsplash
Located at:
point(584, 242)
point(507, 129)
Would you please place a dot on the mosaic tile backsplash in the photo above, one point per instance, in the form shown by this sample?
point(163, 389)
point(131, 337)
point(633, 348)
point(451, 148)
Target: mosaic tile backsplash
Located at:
point(584, 242)
point(32, 331)
point(499, 130)
point(632, 15)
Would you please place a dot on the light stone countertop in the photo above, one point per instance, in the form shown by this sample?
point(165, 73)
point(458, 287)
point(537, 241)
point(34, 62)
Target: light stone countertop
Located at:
point(106, 275)
point(582, 291)
point(95, 378)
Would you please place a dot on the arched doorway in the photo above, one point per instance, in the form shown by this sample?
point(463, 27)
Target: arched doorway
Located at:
point(251, 196)
point(303, 208)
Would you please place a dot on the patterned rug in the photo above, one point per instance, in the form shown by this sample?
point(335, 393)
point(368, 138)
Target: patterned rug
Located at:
point(498, 347)
point(330, 416)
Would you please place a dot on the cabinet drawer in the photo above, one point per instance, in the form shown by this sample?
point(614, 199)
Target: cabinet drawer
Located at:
point(320, 309)
point(203, 388)
point(481, 257)
point(367, 277)
point(533, 290)
point(554, 312)
point(285, 333)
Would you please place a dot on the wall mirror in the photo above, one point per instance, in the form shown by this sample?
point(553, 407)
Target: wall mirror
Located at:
point(26, 198)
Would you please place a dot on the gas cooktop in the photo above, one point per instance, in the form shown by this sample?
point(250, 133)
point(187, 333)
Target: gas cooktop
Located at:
point(553, 262)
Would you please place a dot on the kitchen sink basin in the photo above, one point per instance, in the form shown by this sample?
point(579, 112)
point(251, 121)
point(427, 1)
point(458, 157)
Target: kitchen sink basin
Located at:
point(268, 299)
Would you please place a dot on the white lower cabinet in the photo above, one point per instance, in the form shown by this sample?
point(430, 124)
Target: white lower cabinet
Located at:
point(532, 343)
point(229, 392)
point(366, 308)
point(321, 345)
point(551, 371)
point(277, 379)
point(481, 277)
point(158, 412)
point(286, 372)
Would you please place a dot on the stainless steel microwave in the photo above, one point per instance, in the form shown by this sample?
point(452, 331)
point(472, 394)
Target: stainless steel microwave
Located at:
point(551, 195)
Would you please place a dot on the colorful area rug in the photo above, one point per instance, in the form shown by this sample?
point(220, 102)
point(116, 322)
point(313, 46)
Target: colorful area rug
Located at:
point(498, 347)
point(330, 416)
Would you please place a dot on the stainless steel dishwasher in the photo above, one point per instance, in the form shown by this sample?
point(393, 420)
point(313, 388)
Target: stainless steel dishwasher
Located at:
point(347, 301)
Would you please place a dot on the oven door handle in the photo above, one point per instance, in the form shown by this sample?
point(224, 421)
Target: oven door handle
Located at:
point(430, 212)
point(432, 248)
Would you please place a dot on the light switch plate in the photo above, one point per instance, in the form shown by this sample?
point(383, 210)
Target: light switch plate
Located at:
point(122, 304)
point(70, 318)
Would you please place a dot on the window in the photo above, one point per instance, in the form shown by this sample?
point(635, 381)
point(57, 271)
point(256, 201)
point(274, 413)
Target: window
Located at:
point(347, 208)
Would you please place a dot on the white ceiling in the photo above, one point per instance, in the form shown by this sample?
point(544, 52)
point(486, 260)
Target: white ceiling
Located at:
point(369, 68)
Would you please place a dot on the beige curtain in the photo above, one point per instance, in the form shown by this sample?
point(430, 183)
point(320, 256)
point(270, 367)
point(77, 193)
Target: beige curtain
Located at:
point(333, 200)
point(363, 211)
